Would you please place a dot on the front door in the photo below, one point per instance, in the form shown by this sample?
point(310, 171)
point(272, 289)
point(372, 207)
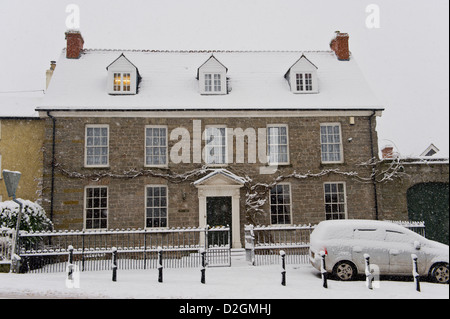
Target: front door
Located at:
point(218, 213)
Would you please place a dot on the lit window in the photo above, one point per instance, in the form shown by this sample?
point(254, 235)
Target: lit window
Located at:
point(96, 207)
point(96, 146)
point(280, 204)
point(122, 82)
point(117, 81)
point(335, 201)
point(156, 206)
point(155, 146)
point(331, 143)
point(278, 144)
point(126, 82)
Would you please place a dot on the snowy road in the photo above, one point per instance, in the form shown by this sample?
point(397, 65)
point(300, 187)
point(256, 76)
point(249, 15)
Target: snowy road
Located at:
point(245, 282)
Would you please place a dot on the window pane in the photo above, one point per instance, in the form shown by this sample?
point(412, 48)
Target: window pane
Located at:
point(280, 204)
point(96, 207)
point(334, 198)
point(156, 212)
point(330, 140)
point(277, 144)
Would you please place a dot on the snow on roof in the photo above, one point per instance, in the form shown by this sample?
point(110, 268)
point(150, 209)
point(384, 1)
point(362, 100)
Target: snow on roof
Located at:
point(169, 81)
point(20, 105)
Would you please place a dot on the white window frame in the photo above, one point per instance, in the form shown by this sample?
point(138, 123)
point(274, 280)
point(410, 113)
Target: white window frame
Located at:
point(86, 146)
point(85, 208)
point(209, 147)
point(306, 86)
point(122, 88)
point(146, 164)
point(276, 204)
point(341, 146)
point(338, 202)
point(278, 145)
point(214, 83)
point(147, 206)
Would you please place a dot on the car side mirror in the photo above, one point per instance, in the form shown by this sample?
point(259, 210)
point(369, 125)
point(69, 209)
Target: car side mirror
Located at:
point(417, 245)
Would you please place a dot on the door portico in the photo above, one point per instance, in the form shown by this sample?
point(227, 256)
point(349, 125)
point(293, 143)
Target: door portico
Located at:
point(221, 183)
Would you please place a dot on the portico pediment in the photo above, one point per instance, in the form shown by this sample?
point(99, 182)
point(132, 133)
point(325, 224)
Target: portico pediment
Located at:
point(220, 177)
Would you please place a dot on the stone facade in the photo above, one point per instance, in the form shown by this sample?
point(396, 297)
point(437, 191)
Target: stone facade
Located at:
point(126, 195)
point(393, 194)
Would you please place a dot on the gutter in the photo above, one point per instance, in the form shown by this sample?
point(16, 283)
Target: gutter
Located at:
point(52, 191)
point(374, 182)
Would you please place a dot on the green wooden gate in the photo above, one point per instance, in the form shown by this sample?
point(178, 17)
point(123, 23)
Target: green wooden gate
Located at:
point(430, 202)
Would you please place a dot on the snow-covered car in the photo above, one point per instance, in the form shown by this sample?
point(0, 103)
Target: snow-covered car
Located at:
point(390, 246)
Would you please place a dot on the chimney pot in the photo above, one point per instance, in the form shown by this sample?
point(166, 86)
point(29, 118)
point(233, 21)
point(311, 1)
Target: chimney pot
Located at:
point(340, 46)
point(75, 44)
point(387, 152)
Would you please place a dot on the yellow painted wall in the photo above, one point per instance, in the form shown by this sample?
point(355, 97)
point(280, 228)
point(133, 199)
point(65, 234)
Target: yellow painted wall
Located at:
point(21, 149)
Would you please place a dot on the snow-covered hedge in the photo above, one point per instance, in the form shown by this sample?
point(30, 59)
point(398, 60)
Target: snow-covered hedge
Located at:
point(33, 217)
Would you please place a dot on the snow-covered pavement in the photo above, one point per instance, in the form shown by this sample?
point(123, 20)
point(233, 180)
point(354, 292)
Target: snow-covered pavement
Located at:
point(237, 282)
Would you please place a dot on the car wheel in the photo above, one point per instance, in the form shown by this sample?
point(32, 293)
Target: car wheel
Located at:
point(345, 270)
point(440, 273)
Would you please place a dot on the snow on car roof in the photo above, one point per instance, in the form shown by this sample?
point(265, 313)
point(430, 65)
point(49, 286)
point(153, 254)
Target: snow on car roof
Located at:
point(169, 81)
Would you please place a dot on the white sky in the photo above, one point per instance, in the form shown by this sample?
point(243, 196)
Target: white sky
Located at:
point(405, 61)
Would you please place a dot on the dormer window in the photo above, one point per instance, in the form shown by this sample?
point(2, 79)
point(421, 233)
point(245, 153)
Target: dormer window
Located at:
point(211, 86)
point(304, 82)
point(123, 77)
point(302, 76)
point(212, 77)
point(122, 82)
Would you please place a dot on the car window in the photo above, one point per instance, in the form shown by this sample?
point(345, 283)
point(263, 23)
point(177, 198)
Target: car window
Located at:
point(397, 236)
point(368, 234)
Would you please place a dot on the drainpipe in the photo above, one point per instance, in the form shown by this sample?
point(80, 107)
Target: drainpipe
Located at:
point(374, 182)
point(52, 191)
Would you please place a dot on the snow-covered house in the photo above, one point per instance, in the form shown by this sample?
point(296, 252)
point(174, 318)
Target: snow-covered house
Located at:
point(151, 138)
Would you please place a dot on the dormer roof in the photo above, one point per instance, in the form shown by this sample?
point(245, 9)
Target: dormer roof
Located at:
point(301, 61)
point(212, 60)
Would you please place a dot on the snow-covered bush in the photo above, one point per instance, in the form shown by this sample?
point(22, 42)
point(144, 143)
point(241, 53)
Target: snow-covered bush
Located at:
point(33, 217)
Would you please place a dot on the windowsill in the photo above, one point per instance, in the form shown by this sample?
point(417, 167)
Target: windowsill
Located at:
point(165, 166)
point(103, 166)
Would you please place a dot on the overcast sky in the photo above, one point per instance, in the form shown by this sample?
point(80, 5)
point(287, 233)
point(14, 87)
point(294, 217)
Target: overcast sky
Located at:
point(405, 59)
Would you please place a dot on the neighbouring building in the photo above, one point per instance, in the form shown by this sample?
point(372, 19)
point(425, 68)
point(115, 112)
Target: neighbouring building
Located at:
point(150, 138)
point(419, 193)
point(21, 143)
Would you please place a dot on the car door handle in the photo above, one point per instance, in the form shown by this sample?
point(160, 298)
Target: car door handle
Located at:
point(394, 252)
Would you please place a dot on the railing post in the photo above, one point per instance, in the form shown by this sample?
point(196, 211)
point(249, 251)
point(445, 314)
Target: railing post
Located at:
point(369, 276)
point(415, 272)
point(283, 267)
point(160, 264)
point(70, 265)
point(323, 269)
point(114, 264)
point(203, 269)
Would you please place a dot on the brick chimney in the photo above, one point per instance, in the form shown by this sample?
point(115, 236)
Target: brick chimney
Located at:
point(340, 46)
point(387, 152)
point(74, 44)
